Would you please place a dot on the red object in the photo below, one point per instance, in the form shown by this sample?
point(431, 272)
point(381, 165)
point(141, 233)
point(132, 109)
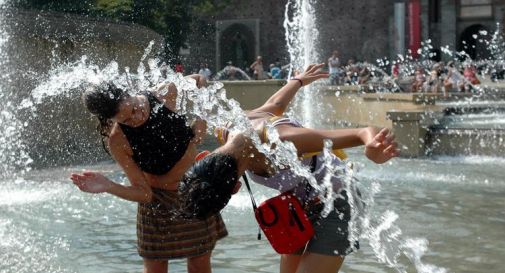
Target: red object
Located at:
point(201, 155)
point(414, 27)
point(284, 223)
point(179, 68)
point(396, 70)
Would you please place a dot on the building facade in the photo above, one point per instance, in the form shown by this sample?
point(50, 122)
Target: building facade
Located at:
point(457, 23)
point(361, 30)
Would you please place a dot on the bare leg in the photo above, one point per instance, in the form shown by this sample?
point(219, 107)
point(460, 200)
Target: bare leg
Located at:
point(200, 264)
point(447, 87)
point(289, 263)
point(155, 266)
point(317, 263)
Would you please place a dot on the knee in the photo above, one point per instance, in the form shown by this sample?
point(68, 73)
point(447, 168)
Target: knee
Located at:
point(199, 264)
point(155, 266)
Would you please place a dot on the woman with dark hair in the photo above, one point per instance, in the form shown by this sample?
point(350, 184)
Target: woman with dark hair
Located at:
point(154, 146)
point(210, 183)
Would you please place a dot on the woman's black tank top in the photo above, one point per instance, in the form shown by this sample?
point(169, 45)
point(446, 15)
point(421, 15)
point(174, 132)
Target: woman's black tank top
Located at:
point(161, 140)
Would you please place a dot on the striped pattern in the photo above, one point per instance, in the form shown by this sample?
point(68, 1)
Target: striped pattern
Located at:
point(163, 233)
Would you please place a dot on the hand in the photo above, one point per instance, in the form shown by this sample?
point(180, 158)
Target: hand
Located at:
point(312, 74)
point(91, 182)
point(382, 147)
point(199, 127)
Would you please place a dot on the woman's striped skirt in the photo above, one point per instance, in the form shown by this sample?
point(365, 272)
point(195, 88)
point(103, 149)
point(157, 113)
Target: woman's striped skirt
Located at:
point(164, 233)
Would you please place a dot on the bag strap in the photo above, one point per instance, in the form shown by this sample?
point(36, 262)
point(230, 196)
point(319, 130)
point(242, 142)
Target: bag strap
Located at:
point(250, 192)
point(308, 187)
point(255, 208)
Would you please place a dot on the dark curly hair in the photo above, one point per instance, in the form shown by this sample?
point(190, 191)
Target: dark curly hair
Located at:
point(208, 185)
point(103, 101)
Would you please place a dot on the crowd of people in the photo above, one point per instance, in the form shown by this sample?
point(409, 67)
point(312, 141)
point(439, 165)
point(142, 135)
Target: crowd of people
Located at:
point(445, 78)
point(428, 77)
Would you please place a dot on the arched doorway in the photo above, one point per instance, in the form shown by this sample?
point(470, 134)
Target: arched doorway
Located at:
point(237, 45)
point(472, 42)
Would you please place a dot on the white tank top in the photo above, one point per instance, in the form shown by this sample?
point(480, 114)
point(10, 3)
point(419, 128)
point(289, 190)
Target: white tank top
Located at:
point(285, 180)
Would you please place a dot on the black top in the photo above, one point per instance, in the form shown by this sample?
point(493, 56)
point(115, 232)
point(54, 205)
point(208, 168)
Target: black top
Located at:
point(161, 140)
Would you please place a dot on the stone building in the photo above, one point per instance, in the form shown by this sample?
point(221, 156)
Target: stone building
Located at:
point(454, 23)
point(249, 28)
point(363, 30)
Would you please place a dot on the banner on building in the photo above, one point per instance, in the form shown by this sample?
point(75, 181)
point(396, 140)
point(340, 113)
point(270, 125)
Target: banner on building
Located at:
point(414, 27)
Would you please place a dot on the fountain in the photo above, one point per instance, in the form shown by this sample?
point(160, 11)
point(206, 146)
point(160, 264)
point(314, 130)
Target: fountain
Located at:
point(301, 39)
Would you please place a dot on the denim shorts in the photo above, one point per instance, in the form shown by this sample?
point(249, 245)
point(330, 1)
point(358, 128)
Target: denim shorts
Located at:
point(331, 232)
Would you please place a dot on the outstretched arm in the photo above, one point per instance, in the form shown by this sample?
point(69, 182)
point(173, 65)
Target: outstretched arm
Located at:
point(93, 182)
point(278, 102)
point(380, 145)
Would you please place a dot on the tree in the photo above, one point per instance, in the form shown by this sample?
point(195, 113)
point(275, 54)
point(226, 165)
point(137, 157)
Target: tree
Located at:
point(71, 6)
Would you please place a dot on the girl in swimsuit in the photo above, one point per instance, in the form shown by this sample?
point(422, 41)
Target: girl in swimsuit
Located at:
point(154, 146)
point(212, 180)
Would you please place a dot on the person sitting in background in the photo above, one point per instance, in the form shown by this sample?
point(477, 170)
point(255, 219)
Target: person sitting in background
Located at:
point(179, 68)
point(395, 70)
point(352, 73)
point(275, 71)
point(419, 80)
point(470, 74)
point(364, 75)
point(205, 71)
point(432, 84)
point(454, 80)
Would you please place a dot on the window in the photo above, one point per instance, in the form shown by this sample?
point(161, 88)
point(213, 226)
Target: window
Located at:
point(476, 8)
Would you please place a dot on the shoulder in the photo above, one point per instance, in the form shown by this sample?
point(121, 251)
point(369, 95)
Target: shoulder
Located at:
point(118, 143)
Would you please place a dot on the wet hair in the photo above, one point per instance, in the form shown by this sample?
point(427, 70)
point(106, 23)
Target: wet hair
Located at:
point(208, 185)
point(103, 101)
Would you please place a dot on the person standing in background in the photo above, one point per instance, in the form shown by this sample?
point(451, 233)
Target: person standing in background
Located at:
point(205, 71)
point(257, 68)
point(334, 68)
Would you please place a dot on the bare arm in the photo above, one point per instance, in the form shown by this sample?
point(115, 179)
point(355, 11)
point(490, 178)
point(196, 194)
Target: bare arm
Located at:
point(253, 65)
point(93, 182)
point(379, 144)
point(174, 176)
point(278, 102)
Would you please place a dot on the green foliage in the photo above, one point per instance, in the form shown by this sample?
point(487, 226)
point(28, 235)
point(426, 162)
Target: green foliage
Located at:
point(118, 9)
point(71, 6)
point(209, 7)
point(170, 18)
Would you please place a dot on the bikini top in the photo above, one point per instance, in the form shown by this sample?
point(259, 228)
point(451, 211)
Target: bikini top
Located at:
point(161, 141)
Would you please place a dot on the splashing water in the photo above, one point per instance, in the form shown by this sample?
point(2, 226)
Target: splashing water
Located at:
point(211, 104)
point(497, 44)
point(301, 39)
point(208, 103)
point(378, 229)
point(13, 154)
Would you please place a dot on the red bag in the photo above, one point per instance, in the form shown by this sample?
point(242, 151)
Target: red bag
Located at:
point(284, 223)
point(283, 220)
